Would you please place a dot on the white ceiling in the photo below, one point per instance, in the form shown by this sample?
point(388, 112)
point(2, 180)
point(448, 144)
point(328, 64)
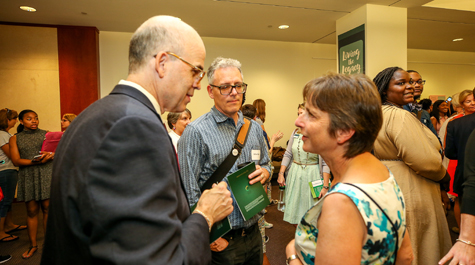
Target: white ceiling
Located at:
point(312, 21)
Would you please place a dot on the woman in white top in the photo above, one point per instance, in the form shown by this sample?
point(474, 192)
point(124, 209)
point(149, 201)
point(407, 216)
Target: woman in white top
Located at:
point(177, 121)
point(8, 177)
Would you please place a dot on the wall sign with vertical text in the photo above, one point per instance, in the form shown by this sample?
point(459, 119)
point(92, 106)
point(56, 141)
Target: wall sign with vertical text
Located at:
point(351, 49)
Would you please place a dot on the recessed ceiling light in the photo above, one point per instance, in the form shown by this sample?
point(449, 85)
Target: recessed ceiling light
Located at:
point(459, 39)
point(28, 8)
point(283, 26)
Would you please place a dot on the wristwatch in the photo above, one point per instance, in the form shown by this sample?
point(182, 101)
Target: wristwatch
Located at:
point(326, 187)
point(292, 257)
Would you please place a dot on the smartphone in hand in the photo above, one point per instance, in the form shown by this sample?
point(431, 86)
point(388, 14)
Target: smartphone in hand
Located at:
point(36, 158)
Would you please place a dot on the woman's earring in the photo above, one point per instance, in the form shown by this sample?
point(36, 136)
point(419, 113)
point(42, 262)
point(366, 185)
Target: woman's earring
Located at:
point(173, 128)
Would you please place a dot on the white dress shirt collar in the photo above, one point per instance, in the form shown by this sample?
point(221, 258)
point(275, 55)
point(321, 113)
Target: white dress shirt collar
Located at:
point(145, 92)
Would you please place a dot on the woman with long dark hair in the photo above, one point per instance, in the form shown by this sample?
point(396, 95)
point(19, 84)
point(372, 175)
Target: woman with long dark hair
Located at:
point(260, 105)
point(34, 178)
point(440, 109)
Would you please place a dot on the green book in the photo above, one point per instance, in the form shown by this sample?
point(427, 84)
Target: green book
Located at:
point(251, 199)
point(219, 229)
point(316, 187)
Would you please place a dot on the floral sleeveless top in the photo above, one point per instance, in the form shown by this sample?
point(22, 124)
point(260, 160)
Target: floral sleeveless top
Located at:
point(380, 241)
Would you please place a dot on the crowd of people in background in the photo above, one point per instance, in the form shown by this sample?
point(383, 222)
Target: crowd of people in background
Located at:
point(26, 171)
point(125, 189)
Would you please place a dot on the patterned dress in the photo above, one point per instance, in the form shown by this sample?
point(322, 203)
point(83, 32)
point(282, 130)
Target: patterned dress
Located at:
point(34, 182)
point(380, 241)
point(304, 169)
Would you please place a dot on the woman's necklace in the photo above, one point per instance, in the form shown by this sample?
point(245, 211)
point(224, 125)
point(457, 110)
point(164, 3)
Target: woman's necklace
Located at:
point(303, 165)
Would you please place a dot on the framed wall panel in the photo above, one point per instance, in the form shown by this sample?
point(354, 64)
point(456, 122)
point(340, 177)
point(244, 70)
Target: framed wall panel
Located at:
point(78, 59)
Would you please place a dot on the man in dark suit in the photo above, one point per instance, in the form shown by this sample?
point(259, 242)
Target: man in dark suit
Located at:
point(117, 197)
point(463, 251)
point(458, 132)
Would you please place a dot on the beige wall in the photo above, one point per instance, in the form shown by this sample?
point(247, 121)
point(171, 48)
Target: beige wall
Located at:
point(114, 61)
point(385, 35)
point(275, 72)
point(29, 72)
point(446, 72)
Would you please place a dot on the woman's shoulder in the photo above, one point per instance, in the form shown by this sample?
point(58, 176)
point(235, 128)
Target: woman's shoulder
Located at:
point(41, 132)
point(356, 190)
point(173, 134)
point(391, 113)
point(4, 137)
point(368, 196)
point(5, 134)
point(392, 110)
point(259, 121)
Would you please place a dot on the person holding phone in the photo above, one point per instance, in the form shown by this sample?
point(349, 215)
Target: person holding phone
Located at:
point(467, 104)
point(34, 177)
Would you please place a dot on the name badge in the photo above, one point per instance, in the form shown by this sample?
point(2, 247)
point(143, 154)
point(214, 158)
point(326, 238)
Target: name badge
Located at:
point(256, 155)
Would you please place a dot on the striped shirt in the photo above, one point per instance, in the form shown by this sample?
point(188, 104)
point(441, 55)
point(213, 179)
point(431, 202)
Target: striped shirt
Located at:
point(204, 145)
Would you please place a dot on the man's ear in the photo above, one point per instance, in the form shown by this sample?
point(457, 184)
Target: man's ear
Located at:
point(343, 136)
point(210, 91)
point(161, 63)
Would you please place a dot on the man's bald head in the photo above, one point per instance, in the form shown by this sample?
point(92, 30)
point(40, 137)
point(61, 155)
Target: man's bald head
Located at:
point(160, 33)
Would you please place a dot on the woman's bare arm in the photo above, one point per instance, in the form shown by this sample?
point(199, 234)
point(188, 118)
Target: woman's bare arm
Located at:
point(340, 221)
point(405, 254)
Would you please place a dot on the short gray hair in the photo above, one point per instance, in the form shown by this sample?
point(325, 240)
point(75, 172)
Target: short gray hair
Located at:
point(160, 33)
point(221, 62)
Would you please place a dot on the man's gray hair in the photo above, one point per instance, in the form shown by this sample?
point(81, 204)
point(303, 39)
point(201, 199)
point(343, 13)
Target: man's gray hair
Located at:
point(221, 62)
point(161, 33)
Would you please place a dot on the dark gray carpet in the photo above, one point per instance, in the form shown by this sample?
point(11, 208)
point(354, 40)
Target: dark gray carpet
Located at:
point(18, 247)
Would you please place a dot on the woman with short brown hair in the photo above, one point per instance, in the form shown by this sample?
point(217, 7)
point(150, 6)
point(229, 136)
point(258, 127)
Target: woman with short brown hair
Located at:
point(361, 220)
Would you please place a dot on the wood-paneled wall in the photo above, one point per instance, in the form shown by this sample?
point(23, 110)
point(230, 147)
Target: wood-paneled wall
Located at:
point(78, 59)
